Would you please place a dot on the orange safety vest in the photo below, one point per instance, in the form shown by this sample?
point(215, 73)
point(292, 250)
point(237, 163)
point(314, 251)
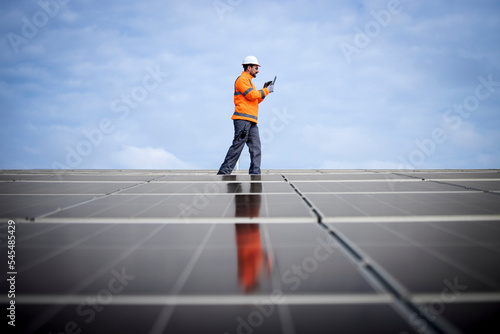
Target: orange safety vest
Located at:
point(247, 98)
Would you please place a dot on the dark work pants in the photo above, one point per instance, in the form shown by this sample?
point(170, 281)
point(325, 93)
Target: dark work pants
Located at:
point(245, 132)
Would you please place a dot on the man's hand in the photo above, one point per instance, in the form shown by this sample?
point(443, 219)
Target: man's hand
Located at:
point(271, 88)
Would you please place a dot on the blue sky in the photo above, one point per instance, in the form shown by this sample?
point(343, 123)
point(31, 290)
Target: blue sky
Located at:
point(149, 84)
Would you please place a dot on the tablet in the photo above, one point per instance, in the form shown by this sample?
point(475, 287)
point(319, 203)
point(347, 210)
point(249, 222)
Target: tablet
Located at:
point(267, 84)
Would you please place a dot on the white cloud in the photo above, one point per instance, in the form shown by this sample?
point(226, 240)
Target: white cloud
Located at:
point(131, 157)
point(469, 137)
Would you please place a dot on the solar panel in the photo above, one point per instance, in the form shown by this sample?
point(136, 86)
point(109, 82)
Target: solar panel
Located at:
point(289, 251)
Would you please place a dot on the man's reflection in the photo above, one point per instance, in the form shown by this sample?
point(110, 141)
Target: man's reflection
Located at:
point(252, 259)
point(247, 205)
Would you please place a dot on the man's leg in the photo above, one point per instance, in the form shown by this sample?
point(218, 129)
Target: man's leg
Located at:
point(241, 130)
point(254, 148)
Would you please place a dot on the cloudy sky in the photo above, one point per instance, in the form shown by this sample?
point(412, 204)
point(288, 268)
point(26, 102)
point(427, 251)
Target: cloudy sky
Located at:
point(149, 84)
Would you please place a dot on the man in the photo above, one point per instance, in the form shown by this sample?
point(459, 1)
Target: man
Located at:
point(246, 103)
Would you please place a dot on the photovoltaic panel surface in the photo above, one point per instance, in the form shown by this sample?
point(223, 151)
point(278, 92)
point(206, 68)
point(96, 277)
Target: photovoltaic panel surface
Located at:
point(289, 251)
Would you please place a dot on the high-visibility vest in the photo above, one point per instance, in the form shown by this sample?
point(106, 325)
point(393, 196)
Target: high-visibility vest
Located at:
point(247, 98)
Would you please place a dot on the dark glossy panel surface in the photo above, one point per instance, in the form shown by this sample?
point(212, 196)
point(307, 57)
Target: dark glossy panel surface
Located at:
point(484, 185)
point(273, 205)
point(56, 188)
point(95, 176)
point(344, 176)
point(210, 188)
point(472, 317)
point(60, 235)
point(307, 260)
point(225, 319)
point(287, 206)
point(477, 231)
point(65, 272)
point(327, 319)
point(29, 230)
point(238, 271)
point(406, 265)
point(388, 186)
point(493, 224)
point(30, 206)
point(13, 177)
point(484, 262)
point(196, 271)
point(151, 206)
point(368, 234)
point(224, 178)
point(317, 270)
point(454, 175)
point(191, 206)
point(84, 235)
point(420, 233)
point(146, 272)
point(84, 318)
point(290, 235)
point(406, 204)
point(169, 236)
point(426, 234)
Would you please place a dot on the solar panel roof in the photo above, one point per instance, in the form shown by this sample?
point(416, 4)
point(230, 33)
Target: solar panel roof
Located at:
point(288, 251)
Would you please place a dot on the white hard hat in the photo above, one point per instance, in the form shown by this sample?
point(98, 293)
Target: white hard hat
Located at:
point(250, 60)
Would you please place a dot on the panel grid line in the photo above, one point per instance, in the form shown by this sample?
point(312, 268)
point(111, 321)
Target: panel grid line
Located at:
point(373, 271)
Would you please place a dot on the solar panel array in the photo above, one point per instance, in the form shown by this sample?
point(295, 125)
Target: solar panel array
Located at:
point(288, 251)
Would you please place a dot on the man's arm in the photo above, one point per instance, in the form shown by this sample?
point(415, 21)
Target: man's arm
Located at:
point(243, 86)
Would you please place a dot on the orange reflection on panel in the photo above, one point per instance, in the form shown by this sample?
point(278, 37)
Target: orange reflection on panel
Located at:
point(251, 257)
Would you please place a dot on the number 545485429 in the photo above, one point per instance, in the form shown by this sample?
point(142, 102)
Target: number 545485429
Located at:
point(11, 254)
